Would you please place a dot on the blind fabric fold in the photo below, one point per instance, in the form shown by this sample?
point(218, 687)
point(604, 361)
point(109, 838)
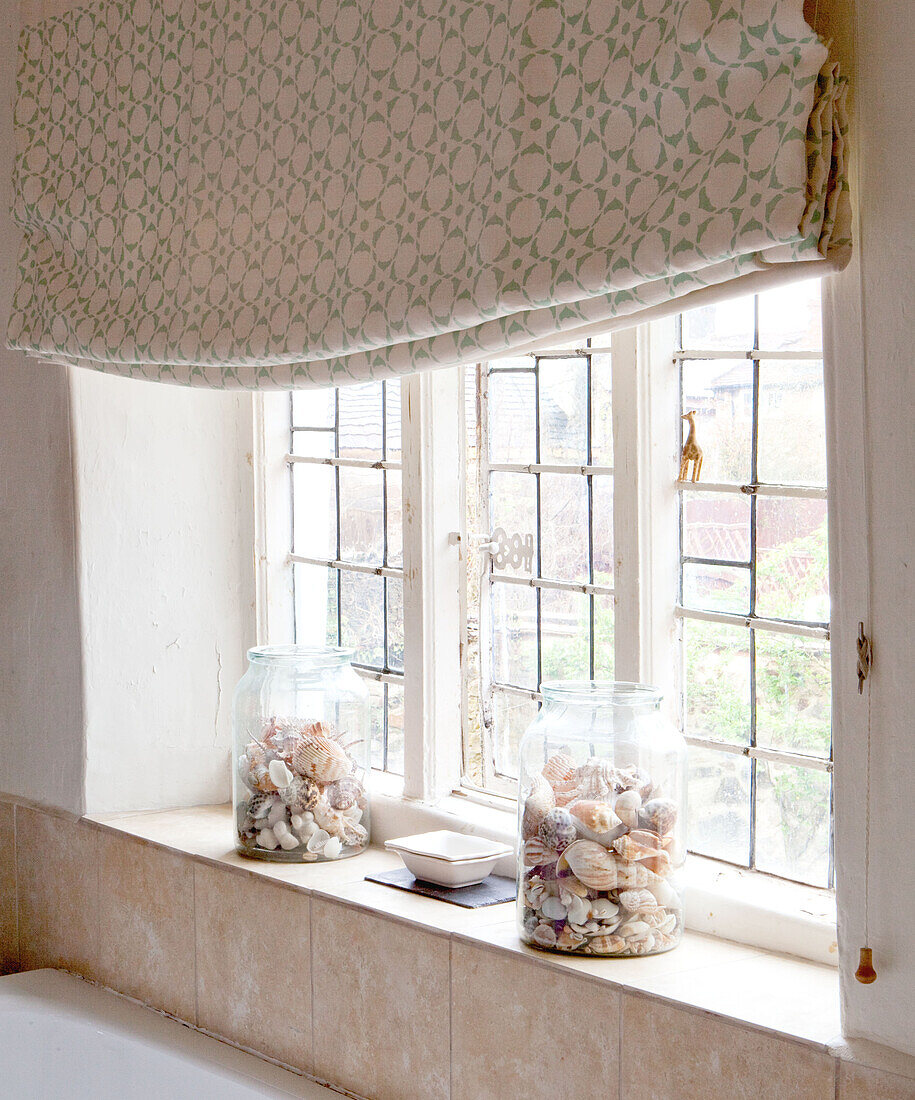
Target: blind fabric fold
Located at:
point(280, 193)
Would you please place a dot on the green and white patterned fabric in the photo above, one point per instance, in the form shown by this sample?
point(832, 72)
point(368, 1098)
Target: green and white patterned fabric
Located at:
point(279, 193)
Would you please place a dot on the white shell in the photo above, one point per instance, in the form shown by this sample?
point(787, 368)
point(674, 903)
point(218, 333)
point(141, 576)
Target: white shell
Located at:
point(578, 909)
point(333, 848)
point(604, 909)
point(280, 775)
point(280, 829)
point(289, 841)
point(666, 894)
point(553, 909)
point(317, 840)
point(267, 839)
point(544, 935)
point(627, 808)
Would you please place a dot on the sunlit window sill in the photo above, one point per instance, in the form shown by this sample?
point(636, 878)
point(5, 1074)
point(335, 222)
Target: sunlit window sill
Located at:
point(739, 983)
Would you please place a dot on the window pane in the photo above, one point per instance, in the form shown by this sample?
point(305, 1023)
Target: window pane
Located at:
point(514, 634)
point(513, 505)
point(394, 482)
point(564, 527)
point(604, 656)
point(721, 393)
point(314, 503)
point(318, 444)
point(601, 415)
point(792, 423)
point(719, 805)
point(360, 421)
point(361, 516)
point(395, 623)
point(512, 417)
point(362, 616)
point(792, 822)
point(602, 520)
point(789, 318)
point(395, 729)
point(376, 719)
point(393, 448)
point(792, 576)
point(721, 327)
point(563, 410)
point(315, 605)
point(512, 714)
point(716, 525)
point(313, 408)
point(793, 693)
point(566, 633)
point(716, 588)
point(717, 681)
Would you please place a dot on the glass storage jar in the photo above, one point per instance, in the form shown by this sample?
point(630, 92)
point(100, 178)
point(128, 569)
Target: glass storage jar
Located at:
point(302, 754)
point(602, 813)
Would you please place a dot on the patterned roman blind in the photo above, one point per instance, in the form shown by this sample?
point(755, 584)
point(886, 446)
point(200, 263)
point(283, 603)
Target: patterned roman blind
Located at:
point(283, 193)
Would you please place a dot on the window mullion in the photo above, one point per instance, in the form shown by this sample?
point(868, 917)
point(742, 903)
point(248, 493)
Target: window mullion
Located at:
point(432, 516)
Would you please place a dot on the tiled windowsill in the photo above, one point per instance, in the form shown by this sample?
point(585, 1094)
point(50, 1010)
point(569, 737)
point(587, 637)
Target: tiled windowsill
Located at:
point(783, 996)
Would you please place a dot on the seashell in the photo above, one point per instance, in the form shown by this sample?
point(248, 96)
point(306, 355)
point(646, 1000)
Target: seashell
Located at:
point(634, 779)
point(604, 909)
point(630, 849)
point(345, 793)
point(557, 830)
point(607, 944)
point(595, 779)
point(634, 930)
point(301, 794)
point(577, 908)
point(668, 924)
point(535, 853)
point(537, 805)
point(266, 838)
point(318, 757)
point(330, 820)
point(255, 753)
point(569, 939)
point(638, 901)
point(642, 946)
point(277, 812)
point(545, 935)
point(333, 848)
point(569, 884)
point(592, 864)
point(280, 775)
point(596, 821)
point(354, 834)
point(317, 840)
point(259, 805)
point(535, 893)
point(259, 779)
point(635, 874)
point(627, 807)
point(659, 814)
point(567, 792)
point(659, 863)
point(558, 769)
point(553, 909)
point(666, 895)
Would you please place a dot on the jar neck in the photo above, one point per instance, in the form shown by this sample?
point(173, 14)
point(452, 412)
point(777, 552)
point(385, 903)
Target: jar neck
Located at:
point(301, 658)
point(602, 694)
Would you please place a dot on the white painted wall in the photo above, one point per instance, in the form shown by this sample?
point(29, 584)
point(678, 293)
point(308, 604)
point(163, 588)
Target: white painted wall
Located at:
point(885, 107)
point(164, 497)
point(41, 750)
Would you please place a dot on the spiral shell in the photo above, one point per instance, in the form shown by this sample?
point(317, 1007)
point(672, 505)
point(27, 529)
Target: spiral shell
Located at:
point(557, 830)
point(345, 793)
point(535, 853)
point(596, 780)
point(634, 779)
point(559, 768)
point(302, 794)
point(595, 820)
point(627, 806)
point(659, 814)
point(638, 901)
point(630, 848)
point(592, 864)
point(607, 945)
point(320, 758)
point(537, 805)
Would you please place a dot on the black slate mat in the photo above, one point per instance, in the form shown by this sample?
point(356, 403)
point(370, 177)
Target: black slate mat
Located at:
point(491, 891)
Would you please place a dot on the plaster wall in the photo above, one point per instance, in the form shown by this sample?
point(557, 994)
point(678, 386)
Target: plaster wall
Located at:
point(41, 747)
point(164, 499)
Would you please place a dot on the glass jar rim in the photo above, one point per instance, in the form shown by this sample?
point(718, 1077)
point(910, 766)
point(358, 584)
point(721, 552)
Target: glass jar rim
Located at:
point(309, 656)
point(601, 693)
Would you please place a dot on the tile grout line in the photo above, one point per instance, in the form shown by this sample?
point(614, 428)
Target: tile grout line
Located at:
point(16, 886)
point(619, 1052)
point(194, 932)
point(450, 1017)
point(311, 976)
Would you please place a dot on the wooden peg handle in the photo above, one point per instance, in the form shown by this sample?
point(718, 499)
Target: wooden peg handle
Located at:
point(865, 972)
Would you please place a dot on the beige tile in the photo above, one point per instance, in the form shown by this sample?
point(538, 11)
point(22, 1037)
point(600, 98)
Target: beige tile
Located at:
point(146, 922)
point(57, 884)
point(670, 1053)
point(254, 963)
point(521, 1029)
point(863, 1083)
point(381, 1004)
point(200, 831)
point(9, 926)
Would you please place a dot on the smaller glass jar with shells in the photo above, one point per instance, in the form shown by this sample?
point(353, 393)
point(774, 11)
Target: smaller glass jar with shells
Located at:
point(602, 814)
point(302, 755)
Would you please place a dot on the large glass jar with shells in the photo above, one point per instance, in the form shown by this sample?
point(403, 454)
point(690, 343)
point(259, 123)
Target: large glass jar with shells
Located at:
point(302, 754)
point(602, 813)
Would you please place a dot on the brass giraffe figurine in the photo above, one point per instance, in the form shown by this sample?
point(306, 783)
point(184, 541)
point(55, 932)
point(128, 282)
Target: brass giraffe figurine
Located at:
point(692, 452)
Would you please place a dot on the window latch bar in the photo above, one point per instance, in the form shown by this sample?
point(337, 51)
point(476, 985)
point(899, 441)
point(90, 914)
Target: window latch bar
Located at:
point(865, 657)
point(750, 489)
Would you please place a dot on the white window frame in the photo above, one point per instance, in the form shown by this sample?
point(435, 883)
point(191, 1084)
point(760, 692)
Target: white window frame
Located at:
point(721, 899)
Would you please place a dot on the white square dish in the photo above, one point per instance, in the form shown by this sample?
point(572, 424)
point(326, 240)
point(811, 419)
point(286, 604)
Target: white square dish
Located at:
point(447, 858)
